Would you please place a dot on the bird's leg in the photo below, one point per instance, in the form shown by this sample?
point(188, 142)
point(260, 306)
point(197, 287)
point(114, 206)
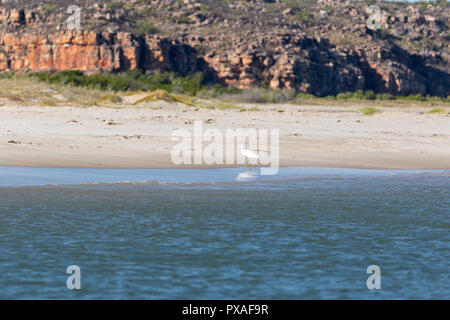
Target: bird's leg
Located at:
point(249, 165)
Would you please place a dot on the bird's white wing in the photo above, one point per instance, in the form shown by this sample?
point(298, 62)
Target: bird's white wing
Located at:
point(250, 154)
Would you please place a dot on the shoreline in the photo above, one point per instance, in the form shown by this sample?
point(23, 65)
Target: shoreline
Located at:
point(29, 176)
point(409, 167)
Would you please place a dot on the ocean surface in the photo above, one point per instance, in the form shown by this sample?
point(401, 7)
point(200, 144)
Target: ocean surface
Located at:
point(306, 233)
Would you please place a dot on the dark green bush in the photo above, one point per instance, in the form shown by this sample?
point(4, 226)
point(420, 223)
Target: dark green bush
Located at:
point(385, 96)
point(131, 80)
point(144, 28)
point(7, 75)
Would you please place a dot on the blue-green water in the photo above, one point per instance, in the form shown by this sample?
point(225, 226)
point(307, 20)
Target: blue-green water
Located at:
point(200, 234)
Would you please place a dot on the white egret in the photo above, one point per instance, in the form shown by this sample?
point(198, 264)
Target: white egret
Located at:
point(250, 154)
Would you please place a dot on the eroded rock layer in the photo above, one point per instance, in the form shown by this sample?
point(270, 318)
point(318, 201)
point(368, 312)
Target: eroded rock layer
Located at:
point(322, 49)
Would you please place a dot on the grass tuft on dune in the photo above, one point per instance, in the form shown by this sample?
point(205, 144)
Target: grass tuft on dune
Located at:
point(437, 111)
point(369, 111)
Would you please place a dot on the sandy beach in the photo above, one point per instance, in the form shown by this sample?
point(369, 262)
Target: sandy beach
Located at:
point(140, 137)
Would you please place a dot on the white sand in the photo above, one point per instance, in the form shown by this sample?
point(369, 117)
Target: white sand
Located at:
point(138, 137)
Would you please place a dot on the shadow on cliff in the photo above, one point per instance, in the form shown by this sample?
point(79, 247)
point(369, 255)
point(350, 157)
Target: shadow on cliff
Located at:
point(172, 56)
point(328, 73)
point(435, 81)
point(325, 72)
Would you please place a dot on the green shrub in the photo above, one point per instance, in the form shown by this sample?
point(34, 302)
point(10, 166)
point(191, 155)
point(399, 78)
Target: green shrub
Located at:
point(131, 80)
point(205, 7)
point(369, 95)
point(437, 111)
point(305, 96)
point(369, 111)
point(415, 97)
point(146, 28)
point(385, 96)
point(357, 95)
point(7, 75)
point(304, 16)
point(344, 95)
point(115, 5)
point(49, 7)
point(296, 3)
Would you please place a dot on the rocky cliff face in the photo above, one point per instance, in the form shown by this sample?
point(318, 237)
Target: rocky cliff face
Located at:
point(92, 51)
point(325, 48)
